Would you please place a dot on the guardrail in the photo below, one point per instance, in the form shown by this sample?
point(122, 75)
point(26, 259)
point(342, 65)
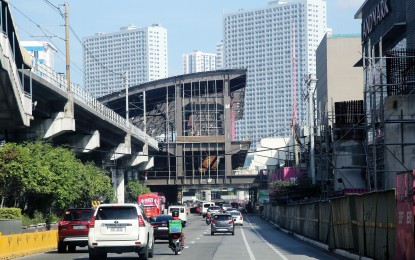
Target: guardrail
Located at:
point(12, 246)
point(58, 80)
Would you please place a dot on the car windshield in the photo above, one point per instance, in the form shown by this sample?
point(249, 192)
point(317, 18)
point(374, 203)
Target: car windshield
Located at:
point(161, 218)
point(105, 213)
point(214, 208)
point(78, 215)
point(235, 213)
point(222, 217)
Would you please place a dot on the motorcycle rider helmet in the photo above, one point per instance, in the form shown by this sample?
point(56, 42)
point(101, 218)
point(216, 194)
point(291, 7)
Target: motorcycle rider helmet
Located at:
point(175, 214)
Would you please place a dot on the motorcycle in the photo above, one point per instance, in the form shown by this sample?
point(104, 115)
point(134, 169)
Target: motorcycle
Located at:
point(175, 244)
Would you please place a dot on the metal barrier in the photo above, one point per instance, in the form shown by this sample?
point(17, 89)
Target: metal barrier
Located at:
point(12, 246)
point(363, 224)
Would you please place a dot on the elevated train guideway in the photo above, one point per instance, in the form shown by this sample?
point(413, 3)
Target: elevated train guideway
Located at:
point(193, 118)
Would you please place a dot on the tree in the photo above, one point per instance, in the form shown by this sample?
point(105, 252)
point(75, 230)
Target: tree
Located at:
point(35, 176)
point(134, 189)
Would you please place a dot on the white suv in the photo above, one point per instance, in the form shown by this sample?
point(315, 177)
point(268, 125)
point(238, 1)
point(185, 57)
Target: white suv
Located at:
point(120, 228)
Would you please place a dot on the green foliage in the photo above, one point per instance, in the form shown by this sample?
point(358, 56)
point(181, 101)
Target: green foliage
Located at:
point(10, 213)
point(35, 176)
point(36, 219)
point(133, 189)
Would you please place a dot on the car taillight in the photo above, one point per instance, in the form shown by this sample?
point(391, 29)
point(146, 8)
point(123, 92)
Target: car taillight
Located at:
point(213, 222)
point(63, 223)
point(231, 222)
point(154, 225)
point(92, 222)
point(141, 221)
point(240, 218)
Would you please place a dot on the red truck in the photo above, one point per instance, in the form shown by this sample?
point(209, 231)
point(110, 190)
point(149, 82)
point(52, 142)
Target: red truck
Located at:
point(153, 203)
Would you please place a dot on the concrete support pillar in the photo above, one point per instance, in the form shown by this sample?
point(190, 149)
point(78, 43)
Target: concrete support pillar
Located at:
point(57, 125)
point(118, 184)
point(122, 149)
point(86, 143)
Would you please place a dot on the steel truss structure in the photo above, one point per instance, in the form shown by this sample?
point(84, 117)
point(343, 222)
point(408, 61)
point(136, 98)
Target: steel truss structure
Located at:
point(193, 118)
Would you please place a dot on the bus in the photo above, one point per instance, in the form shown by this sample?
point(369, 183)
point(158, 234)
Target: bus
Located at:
point(153, 203)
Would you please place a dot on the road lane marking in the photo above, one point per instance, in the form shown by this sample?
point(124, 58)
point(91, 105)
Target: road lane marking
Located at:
point(266, 242)
point(248, 248)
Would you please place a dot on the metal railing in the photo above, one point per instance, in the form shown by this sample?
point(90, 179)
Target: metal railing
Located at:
point(59, 80)
point(7, 56)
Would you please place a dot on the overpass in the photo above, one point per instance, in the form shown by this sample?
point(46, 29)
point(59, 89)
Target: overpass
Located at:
point(35, 101)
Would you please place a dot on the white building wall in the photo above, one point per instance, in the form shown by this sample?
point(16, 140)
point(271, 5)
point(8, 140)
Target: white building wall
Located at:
point(261, 40)
point(140, 51)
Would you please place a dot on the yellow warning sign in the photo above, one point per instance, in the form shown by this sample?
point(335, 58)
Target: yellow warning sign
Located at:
point(95, 203)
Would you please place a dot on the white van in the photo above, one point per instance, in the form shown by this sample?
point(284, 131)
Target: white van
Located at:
point(182, 209)
point(204, 207)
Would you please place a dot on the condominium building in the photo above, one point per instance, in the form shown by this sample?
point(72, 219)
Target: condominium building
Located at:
point(142, 52)
point(198, 61)
point(219, 55)
point(277, 45)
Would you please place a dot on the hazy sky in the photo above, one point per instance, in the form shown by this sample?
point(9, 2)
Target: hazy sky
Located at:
point(191, 24)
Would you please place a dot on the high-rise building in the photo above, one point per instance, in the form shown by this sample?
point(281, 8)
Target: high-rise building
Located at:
point(142, 52)
point(198, 61)
point(277, 45)
point(219, 55)
point(42, 52)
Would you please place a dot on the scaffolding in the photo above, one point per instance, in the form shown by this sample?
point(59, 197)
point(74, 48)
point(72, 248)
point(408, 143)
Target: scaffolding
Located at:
point(388, 92)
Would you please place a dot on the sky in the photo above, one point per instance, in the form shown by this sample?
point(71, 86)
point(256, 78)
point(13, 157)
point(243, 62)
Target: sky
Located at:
point(191, 24)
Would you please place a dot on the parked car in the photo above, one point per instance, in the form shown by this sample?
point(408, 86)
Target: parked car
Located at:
point(160, 225)
point(73, 229)
point(237, 217)
point(120, 228)
point(222, 223)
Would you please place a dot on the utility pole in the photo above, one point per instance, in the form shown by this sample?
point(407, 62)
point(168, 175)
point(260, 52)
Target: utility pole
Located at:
point(295, 118)
point(311, 88)
point(68, 70)
point(69, 108)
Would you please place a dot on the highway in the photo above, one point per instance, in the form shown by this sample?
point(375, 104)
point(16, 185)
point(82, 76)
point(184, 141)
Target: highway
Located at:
point(257, 239)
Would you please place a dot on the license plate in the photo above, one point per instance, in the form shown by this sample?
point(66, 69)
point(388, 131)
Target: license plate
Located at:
point(79, 227)
point(162, 228)
point(222, 229)
point(116, 229)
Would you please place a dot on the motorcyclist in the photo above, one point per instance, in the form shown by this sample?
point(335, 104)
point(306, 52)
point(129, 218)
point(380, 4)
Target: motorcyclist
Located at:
point(208, 217)
point(175, 215)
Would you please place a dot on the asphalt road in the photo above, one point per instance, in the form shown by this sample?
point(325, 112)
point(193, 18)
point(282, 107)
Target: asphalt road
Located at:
point(257, 239)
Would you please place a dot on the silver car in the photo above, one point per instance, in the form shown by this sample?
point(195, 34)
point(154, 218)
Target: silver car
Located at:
point(222, 223)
